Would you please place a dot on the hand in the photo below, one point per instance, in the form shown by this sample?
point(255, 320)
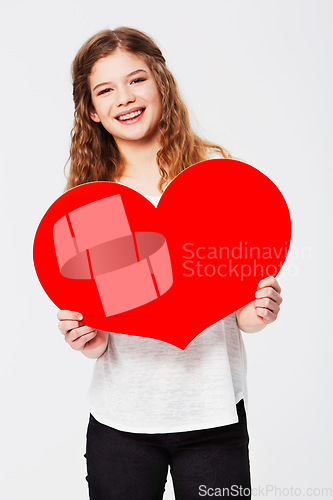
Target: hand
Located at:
point(81, 337)
point(268, 300)
point(264, 309)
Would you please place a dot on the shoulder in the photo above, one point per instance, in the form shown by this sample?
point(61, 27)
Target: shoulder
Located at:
point(213, 154)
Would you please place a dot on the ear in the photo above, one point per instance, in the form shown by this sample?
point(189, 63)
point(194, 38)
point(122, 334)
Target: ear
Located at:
point(93, 115)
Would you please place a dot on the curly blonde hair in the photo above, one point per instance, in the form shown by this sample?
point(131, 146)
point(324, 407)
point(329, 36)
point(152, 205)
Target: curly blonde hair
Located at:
point(94, 155)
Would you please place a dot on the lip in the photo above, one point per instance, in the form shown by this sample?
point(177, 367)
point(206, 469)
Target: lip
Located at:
point(132, 110)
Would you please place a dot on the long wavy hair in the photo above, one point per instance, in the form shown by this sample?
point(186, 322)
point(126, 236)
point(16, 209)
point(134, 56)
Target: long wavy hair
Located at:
point(94, 155)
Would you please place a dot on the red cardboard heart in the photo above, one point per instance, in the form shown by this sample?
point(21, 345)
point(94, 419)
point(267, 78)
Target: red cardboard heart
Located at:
point(220, 227)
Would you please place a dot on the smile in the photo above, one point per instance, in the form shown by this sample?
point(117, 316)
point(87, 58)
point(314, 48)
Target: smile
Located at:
point(131, 117)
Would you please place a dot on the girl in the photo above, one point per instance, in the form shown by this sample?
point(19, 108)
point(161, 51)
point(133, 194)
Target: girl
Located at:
point(153, 405)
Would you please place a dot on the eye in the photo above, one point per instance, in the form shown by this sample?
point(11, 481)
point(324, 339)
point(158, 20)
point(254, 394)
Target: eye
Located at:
point(104, 91)
point(137, 80)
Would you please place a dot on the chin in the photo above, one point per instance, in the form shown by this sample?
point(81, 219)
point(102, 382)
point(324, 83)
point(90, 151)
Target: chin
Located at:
point(139, 136)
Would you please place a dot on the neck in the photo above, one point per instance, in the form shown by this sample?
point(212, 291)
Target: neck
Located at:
point(138, 157)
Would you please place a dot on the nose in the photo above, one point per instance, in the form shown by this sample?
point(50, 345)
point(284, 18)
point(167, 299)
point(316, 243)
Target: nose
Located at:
point(125, 95)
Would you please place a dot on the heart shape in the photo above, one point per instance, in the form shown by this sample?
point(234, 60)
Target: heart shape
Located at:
point(222, 237)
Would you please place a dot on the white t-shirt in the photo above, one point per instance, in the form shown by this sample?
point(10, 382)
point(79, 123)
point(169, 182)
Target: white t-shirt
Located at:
point(148, 386)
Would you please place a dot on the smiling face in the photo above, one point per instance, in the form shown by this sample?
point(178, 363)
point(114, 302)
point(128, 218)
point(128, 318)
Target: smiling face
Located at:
point(125, 97)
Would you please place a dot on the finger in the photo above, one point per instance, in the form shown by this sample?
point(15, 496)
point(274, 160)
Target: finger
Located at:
point(69, 315)
point(267, 304)
point(79, 343)
point(267, 315)
point(67, 326)
point(76, 333)
point(270, 281)
point(270, 293)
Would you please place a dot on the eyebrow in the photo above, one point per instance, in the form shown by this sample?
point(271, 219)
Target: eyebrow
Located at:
point(130, 74)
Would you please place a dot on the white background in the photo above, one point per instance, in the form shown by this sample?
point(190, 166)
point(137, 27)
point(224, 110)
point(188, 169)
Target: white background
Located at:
point(257, 77)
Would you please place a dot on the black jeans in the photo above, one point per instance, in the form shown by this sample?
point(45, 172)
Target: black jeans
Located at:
point(204, 463)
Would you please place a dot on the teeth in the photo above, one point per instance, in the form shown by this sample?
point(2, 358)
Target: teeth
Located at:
point(130, 115)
